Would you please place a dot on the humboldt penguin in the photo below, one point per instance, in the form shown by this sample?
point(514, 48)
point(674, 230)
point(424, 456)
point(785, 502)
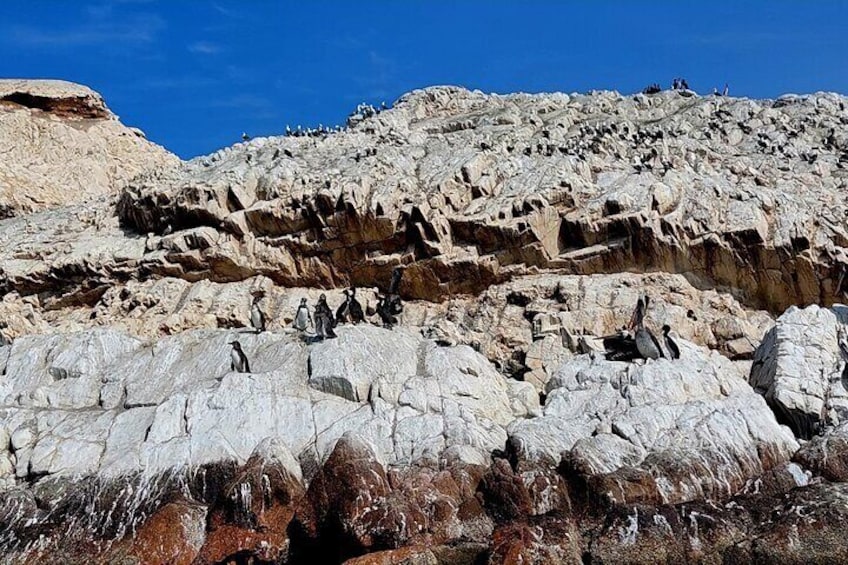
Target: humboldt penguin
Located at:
point(257, 316)
point(302, 318)
point(238, 360)
point(670, 345)
point(646, 342)
point(343, 311)
point(355, 308)
point(324, 321)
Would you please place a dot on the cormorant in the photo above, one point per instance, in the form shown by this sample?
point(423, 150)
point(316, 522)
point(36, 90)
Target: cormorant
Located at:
point(355, 308)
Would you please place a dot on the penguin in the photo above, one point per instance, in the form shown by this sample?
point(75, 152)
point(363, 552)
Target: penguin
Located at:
point(302, 318)
point(343, 311)
point(257, 316)
point(355, 308)
point(238, 360)
point(244, 136)
point(169, 229)
point(646, 342)
point(670, 345)
point(324, 321)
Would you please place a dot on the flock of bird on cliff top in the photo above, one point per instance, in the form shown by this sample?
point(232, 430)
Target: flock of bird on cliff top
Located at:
point(634, 341)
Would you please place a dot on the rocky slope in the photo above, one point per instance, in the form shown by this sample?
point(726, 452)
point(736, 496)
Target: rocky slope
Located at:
point(486, 427)
point(62, 145)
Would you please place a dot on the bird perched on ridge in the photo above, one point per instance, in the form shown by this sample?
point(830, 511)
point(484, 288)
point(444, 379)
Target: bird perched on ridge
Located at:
point(646, 342)
point(257, 316)
point(355, 308)
point(670, 344)
point(324, 321)
point(238, 359)
point(302, 317)
point(343, 311)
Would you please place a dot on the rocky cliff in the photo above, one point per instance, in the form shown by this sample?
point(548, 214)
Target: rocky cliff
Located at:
point(488, 425)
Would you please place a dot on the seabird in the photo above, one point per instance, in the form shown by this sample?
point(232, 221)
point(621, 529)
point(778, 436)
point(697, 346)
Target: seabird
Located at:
point(355, 308)
point(384, 310)
point(257, 316)
point(620, 346)
point(302, 318)
point(238, 360)
point(670, 345)
point(324, 319)
point(646, 342)
point(343, 311)
point(244, 136)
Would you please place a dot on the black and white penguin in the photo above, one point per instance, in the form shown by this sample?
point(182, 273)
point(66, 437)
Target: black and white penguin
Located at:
point(238, 360)
point(324, 321)
point(646, 342)
point(355, 308)
point(343, 311)
point(257, 316)
point(302, 318)
point(670, 345)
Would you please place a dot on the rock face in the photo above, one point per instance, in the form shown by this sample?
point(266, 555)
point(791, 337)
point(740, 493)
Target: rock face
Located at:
point(488, 425)
point(62, 145)
point(800, 368)
point(470, 189)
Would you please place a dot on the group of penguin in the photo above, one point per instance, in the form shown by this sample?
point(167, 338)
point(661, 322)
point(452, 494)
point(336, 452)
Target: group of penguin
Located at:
point(389, 306)
point(638, 342)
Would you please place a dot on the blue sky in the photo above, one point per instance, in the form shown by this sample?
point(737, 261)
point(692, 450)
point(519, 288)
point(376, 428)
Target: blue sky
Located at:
point(194, 74)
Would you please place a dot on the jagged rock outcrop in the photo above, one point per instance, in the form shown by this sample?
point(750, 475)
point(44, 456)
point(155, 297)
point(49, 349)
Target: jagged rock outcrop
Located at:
point(470, 189)
point(62, 145)
point(487, 426)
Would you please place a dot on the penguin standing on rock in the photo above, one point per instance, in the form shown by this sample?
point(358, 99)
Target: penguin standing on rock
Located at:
point(670, 344)
point(238, 360)
point(257, 316)
point(302, 318)
point(324, 321)
point(343, 311)
point(355, 308)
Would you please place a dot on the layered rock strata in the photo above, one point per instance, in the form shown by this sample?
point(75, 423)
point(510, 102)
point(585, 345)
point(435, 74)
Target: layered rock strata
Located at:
point(487, 427)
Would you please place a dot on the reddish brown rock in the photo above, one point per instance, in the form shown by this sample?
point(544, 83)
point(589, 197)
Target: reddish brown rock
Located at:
point(173, 535)
point(538, 542)
point(827, 455)
point(253, 517)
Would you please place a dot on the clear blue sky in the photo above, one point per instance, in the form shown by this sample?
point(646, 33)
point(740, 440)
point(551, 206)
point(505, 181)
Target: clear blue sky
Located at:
point(194, 74)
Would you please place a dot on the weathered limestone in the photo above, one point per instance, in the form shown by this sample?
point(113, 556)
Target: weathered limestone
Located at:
point(660, 432)
point(581, 183)
point(61, 145)
point(800, 368)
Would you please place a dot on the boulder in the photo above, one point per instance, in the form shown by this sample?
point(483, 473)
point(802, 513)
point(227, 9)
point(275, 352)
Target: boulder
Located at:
point(800, 368)
point(664, 431)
